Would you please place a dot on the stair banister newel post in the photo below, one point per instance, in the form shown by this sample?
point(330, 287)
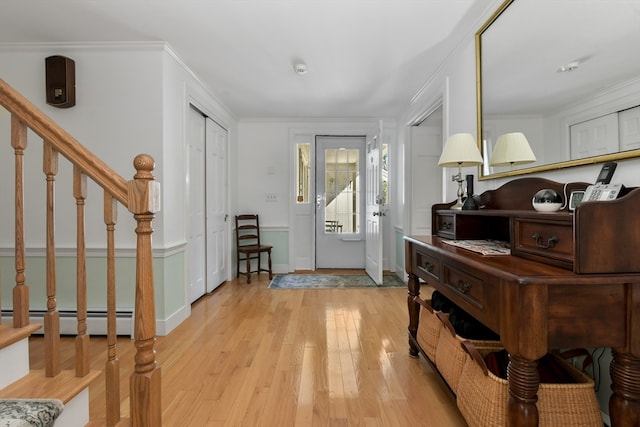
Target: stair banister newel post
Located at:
point(145, 382)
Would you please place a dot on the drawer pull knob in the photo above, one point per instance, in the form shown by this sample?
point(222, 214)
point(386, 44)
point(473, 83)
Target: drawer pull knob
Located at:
point(446, 225)
point(551, 242)
point(428, 267)
point(463, 287)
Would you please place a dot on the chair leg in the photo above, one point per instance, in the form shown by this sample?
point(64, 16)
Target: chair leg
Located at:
point(238, 264)
point(259, 263)
point(270, 273)
point(248, 269)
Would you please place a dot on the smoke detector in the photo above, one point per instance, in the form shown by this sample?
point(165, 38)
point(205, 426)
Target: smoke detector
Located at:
point(571, 66)
point(300, 69)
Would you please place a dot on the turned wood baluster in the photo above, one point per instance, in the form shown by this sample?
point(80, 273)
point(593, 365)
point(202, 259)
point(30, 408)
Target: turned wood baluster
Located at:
point(52, 316)
point(112, 366)
point(20, 290)
point(82, 339)
point(145, 382)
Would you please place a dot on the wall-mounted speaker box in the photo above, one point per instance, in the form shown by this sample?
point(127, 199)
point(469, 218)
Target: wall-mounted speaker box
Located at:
point(60, 75)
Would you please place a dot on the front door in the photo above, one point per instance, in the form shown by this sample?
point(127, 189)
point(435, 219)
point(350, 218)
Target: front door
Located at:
point(340, 197)
point(375, 208)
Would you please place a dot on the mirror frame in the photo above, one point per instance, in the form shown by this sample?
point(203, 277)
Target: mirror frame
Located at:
point(548, 167)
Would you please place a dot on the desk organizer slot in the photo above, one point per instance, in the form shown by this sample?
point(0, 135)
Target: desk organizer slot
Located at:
point(482, 397)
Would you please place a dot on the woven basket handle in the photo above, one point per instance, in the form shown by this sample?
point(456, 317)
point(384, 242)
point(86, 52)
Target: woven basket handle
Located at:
point(577, 352)
point(475, 355)
point(423, 303)
point(445, 321)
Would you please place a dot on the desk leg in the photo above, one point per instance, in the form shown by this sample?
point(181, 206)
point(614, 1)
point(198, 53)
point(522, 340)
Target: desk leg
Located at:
point(414, 312)
point(523, 389)
point(624, 405)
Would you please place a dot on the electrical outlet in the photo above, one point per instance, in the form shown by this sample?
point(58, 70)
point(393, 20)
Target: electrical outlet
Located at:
point(270, 197)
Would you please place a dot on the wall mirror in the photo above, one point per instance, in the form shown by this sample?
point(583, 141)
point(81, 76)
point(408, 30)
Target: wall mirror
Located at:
point(564, 73)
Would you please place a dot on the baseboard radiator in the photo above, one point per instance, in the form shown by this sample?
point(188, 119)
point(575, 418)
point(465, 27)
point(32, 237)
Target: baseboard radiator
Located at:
point(96, 321)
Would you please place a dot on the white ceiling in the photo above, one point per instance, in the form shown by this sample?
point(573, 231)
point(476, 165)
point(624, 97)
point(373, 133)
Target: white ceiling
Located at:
point(366, 58)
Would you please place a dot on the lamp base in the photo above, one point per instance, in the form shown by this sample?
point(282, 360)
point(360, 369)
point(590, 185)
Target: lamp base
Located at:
point(457, 206)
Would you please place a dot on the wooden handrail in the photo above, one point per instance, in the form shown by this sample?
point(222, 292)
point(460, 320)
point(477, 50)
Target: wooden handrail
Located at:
point(64, 143)
point(141, 196)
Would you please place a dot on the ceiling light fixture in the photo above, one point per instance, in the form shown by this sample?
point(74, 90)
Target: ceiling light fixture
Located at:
point(300, 68)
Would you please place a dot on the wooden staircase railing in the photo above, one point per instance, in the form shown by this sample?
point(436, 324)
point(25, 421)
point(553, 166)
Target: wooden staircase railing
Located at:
point(141, 196)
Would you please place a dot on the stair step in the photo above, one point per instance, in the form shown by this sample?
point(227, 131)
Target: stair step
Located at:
point(64, 386)
point(10, 335)
point(124, 422)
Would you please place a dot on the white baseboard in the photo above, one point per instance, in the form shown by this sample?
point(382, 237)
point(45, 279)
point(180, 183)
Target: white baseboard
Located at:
point(163, 327)
point(96, 321)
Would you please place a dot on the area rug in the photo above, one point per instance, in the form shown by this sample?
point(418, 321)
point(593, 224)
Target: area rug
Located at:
point(324, 281)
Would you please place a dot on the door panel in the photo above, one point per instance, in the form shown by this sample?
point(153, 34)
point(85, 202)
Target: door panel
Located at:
point(196, 235)
point(216, 201)
point(340, 202)
point(375, 208)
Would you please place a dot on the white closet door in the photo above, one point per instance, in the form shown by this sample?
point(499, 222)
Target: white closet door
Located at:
point(196, 235)
point(216, 196)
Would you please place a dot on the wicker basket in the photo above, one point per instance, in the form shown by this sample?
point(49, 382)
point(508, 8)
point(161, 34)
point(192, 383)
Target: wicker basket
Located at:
point(429, 329)
point(482, 397)
point(450, 355)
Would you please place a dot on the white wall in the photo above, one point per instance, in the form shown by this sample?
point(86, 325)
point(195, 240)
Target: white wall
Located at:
point(131, 98)
point(118, 106)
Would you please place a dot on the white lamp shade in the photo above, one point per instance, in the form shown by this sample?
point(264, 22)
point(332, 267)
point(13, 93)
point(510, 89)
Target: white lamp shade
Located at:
point(512, 149)
point(461, 149)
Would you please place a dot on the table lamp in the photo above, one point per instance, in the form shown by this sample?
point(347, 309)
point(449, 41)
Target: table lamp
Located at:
point(460, 150)
point(512, 149)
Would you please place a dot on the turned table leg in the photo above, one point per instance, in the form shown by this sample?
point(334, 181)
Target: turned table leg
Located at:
point(414, 312)
point(624, 405)
point(523, 389)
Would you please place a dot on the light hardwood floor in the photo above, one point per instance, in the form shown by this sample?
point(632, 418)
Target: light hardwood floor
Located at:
point(251, 356)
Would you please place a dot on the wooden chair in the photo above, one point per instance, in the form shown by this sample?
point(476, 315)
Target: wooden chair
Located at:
point(248, 246)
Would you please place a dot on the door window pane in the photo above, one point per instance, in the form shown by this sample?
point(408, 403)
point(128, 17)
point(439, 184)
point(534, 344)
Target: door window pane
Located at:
point(342, 190)
point(303, 173)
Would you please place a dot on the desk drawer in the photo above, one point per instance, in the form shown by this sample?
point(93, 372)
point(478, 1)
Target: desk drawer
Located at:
point(427, 266)
point(445, 225)
point(470, 286)
point(548, 241)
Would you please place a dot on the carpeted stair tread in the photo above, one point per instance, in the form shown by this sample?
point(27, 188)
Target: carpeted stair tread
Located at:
point(29, 412)
point(64, 386)
point(10, 335)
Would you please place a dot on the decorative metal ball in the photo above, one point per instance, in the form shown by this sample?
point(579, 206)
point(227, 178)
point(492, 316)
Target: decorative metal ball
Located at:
point(547, 200)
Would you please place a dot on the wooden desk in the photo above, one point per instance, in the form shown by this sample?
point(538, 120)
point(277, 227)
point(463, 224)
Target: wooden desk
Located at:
point(536, 300)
